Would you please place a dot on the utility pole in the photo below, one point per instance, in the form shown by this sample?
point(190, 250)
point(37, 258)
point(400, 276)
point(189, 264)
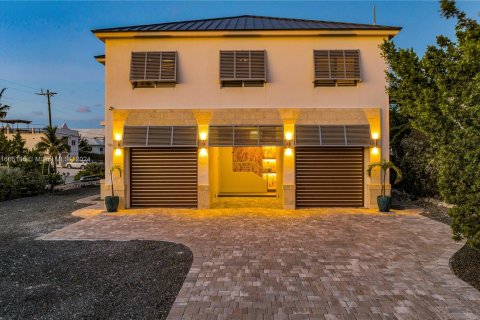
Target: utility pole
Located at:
point(374, 16)
point(48, 94)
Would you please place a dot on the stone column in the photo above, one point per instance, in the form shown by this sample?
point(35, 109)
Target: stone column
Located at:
point(289, 169)
point(203, 168)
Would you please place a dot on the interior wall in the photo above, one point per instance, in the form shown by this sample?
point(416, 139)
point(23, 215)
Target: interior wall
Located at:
point(230, 181)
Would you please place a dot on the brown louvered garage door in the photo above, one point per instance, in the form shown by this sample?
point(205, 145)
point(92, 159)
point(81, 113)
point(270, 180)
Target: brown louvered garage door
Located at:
point(329, 177)
point(163, 177)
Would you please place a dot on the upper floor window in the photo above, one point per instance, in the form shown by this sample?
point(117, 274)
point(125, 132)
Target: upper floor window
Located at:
point(243, 68)
point(339, 68)
point(153, 69)
point(73, 142)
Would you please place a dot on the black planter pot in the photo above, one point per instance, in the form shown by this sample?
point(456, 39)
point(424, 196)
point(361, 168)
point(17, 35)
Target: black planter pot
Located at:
point(111, 203)
point(384, 203)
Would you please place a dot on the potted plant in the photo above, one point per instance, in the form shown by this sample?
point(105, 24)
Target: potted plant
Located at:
point(111, 202)
point(384, 202)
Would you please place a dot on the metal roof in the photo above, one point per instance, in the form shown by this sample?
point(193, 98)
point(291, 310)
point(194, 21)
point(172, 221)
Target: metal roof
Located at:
point(248, 23)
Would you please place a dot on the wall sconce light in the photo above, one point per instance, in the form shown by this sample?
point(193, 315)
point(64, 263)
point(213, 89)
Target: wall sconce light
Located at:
point(288, 151)
point(118, 152)
point(375, 142)
point(117, 140)
point(202, 142)
point(203, 152)
point(288, 140)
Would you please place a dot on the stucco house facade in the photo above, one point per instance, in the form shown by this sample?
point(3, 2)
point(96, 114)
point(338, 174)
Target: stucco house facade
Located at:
point(245, 106)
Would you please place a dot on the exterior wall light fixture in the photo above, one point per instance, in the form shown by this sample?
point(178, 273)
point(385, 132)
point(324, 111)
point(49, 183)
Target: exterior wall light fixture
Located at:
point(375, 142)
point(288, 152)
point(288, 140)
point(117, 143)
point(202, 142)
point(117, 140)
point(203, 152)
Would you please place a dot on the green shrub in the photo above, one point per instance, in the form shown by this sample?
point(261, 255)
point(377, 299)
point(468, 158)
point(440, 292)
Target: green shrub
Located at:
point(16, 183)
point(459, 181)
point(92, 169)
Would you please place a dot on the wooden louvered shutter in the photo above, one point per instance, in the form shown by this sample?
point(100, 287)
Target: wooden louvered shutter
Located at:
point(242, 65)
point(336, 68)
point(358, 135)
point(242, 68)
point(220, 136)
point(257, 65)
point(137, 67)
point(152, 69)
point(352, 64)
point(270, 135)
point(227, 65)
point(160, 136)
point(246, 135)
point(168, 70)
point(135, 136)
point(333, 135)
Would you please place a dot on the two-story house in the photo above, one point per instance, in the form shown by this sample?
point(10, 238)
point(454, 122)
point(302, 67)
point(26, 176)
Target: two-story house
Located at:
point(245, 106)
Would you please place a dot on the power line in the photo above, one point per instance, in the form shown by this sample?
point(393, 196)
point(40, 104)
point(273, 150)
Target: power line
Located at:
point(48, 94)
point(19, 84)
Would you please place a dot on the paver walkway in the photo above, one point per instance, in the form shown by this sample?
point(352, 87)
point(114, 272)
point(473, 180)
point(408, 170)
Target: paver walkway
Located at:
point(252, 263)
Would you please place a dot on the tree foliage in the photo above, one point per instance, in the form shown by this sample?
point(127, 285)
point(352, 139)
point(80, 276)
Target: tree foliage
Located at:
point(414, 155)
point(3, 107)
point(439, 95)
point(52, 145)
point(385, 166)
point(83, 146)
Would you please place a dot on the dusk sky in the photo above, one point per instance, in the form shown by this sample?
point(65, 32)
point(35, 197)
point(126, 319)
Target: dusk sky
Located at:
point(49, 44)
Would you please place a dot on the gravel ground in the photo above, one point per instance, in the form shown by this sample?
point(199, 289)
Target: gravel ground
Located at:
point(465, 263)
point(434, 212)
point(81, 279)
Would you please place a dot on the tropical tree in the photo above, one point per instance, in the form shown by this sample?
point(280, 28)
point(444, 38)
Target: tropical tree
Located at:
point(52, 145)
point(3, 107)
point(439, 94)
point(112, 170)
point(83, 146)
point(384, 166)
point(17, 145)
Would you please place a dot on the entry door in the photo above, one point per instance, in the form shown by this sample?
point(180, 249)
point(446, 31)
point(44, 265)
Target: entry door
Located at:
point(163, 177)
point(329, 177)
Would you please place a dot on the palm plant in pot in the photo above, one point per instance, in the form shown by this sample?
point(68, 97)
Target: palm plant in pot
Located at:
point(111, 202)
point(384, 202)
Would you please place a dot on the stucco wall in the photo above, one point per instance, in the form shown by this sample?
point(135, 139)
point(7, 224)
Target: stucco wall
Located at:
point(289, 71)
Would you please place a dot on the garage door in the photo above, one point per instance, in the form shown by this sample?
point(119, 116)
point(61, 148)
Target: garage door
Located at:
point(163, 177)
point(329, 177)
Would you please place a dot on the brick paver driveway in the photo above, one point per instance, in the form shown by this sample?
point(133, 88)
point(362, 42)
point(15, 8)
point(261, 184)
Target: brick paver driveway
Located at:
point(252, 263)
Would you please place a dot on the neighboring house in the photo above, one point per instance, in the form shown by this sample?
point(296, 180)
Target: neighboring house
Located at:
point(32, 136)
point(95, 138)
point(246, 106)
